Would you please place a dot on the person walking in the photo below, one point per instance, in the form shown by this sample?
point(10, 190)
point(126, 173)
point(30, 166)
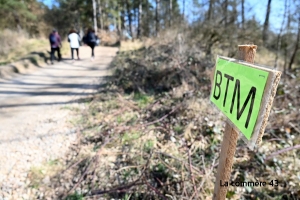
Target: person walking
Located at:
point(91, 39)
point(74, 40)
point(55, 43)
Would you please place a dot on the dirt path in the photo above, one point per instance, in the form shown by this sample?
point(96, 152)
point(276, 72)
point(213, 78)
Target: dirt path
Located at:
point(34, 125)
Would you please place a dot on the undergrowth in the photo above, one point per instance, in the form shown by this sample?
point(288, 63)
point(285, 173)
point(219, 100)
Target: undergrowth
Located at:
point(152, 134)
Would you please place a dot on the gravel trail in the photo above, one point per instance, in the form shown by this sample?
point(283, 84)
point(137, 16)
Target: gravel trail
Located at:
point(34, 120)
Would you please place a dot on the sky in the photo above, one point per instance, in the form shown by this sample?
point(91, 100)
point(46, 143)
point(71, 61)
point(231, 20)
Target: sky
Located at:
point(276, 15)
point(48, 3)
point(258, 8)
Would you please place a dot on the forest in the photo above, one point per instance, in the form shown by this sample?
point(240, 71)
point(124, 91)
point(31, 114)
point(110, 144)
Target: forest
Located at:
point(151, 132)
point(211, 23)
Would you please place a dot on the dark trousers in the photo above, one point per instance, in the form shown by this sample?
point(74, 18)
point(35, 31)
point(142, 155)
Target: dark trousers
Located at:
point(72, 52)
point(53, 52)
point(92, 45)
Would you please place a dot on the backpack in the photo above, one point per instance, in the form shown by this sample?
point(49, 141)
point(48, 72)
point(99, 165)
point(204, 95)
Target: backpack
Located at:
point(52, 39)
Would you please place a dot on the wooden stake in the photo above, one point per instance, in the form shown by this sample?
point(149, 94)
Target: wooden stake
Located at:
point(228, 147)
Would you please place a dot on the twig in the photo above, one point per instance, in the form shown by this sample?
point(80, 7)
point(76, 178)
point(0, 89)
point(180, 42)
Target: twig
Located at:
point(192, 176)
point(177, 62)
point(282, 151)
point(157, 128)
point(127, 167)
point(158, 120)
point(117, 189)
point(73, 165)
point(169, 167)
point(119, 111)
point(155, 190)
point(136, 182)
point(124, 128)
point(80, 179)
point(292, 125)
point(129, 197)
point(274, 139)
point(152, 105)
point(161, 183)
point(128, 103)
point(88, 167)
point(183, 161)
point(170, 196)
point(96, 166)
point(165, 154)
point(207, 174)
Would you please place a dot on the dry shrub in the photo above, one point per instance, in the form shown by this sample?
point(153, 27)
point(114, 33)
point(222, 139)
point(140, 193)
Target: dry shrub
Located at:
point(11, 39)
point(131, 45)
point(108, 38)
point(163, 65)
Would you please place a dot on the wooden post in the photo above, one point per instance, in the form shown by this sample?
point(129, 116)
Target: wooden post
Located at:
point(228, 147)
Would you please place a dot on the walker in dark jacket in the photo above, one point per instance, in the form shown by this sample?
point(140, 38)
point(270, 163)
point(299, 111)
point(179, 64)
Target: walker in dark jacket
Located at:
point(91, 40)
point(55, 43)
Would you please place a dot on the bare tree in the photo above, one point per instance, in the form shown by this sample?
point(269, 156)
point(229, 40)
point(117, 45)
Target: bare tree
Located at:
point(95, 15)
point(280, 35)
point(210, 10)
point(225, 6)
point(139, 32)
point(266, 24)
point(122, 4)
point(170, 12)
point(296, 45)
point(129, 16)
point(119, 19)
point(100, 14)
point(287, 30)
point(183, 5)
point(157, 16)
point(243, 14)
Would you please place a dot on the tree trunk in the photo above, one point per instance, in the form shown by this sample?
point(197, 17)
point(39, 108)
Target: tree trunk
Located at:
point(129, 17)
point(266, 24)
point(235, 12)
point(210, 10)
point(183, 6)
point(94, 15)
point(296, 46)
point(104, 14)
point(139, 32)
point(157, 16)
point(135, 18)
point(170, 12)
point(100, 14)
point(122, 16)
point(225, 12)
point(279, 35)
point(119, 20)
point(243, 14)
point(115, 21)
point(286, 46)
point(146, 28)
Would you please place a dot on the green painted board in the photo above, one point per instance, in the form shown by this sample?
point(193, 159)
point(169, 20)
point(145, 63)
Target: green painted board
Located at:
point(237, 90)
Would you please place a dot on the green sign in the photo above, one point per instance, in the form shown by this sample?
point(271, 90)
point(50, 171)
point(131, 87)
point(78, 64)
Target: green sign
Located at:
point(237, 90)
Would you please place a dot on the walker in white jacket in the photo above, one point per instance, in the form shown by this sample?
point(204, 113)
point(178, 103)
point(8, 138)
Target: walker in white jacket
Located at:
point(74, 40)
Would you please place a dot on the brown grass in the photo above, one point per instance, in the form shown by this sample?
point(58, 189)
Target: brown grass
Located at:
point(17, 44)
